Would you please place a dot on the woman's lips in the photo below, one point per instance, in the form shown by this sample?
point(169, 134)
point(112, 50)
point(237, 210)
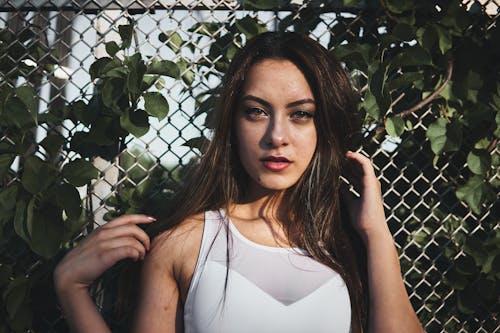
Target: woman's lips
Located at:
point(276, 166)
point(274, 163)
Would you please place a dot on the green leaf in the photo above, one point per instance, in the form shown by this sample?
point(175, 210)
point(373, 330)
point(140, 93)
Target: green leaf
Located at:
point(468, 85)
point(343, 52)
point(483, 143)
point(455, 280)
point(112, 91)
point(394, 126)
point(149, 80)
point(156, 105)
point(164, 67)
point(352, 3)
point(117, 72)
point(112, 48)
point(5, 274)
point(15, 295)
point(47, 231)
point(126, 32)
point(411, 56)
point(248, 26)
point(495, 266)
point(27, 96)
point(465, 265)
point(114, 65)
point(379, 89)
point(80, 112)
point(370, 106)
point(37, 175)
point(206, 28)
point(403, 80)
point(103, 133)
point(261, 4)
point(72, 227)
point(68, 199)
point(8, 200)
point(456, 18)
point(444, 39)
point(5, 163)
point(52, 143)
point(466, 301)
point(403, 32)
point(475, 192)
point(474, 247)
point(137, 70)
point(173, 39)
point(97, 67)
point(444, 136)
point(427, 36)
point(187, 74)
point(479, 161)
point(19, 221)
point(16, 113)
point(486, 288)
point(397, 6)
point(30, 214)
point(198, 143)
point(497, 121)
point(80, 172)
point(489, 262)
point(136, 123)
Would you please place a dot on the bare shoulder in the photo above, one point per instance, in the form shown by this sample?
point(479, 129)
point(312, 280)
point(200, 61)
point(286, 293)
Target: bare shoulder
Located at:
point(165, 273)
point(178, 245)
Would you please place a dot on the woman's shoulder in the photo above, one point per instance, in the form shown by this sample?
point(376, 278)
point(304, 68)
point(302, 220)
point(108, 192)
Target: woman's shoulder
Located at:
point(180, 242)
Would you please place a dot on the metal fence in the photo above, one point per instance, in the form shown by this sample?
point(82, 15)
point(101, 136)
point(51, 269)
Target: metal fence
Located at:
point(74, 32)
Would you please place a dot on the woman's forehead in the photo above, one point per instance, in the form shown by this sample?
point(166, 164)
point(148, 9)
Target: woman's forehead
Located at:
point(276, 79)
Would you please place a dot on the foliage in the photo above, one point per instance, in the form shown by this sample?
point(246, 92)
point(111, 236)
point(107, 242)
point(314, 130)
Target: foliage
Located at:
point(149, 187)
point(424, 71)
point(440, 60)
point(41, 211)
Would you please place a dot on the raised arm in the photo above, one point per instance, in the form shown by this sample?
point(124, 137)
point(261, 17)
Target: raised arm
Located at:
point(117, 240)
point(159, 307)
point(390, 309)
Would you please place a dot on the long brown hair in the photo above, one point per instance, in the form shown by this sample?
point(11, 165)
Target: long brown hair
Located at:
point(315, 211)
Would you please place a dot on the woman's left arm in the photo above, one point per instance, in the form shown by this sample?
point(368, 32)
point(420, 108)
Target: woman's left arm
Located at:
point(390, 309)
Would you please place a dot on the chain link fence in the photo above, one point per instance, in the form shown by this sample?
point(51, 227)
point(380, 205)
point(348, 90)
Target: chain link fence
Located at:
point(73, 34)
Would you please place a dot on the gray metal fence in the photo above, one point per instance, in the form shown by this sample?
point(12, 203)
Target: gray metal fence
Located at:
point(74, 32)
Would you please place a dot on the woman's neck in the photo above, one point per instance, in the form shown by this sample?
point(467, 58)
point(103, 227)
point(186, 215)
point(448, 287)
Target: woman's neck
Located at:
point(267, 206)
point(262, 220)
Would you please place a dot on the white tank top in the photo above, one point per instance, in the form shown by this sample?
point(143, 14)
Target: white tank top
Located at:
point(269, 289)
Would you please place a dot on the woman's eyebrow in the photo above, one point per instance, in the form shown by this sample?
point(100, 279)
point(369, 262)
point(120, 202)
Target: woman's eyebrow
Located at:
point(300, 102)
point(267, 104)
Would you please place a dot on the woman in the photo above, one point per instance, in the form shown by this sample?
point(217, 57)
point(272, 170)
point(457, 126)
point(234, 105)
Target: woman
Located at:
point(265, 239)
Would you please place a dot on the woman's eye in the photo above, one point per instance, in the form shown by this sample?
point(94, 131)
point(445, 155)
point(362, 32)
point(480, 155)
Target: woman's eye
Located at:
point(302, 115)
point(255, 112)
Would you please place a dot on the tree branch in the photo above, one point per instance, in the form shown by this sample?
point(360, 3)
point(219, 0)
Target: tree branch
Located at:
point(421, 104)
point(492, 145)
point(428, 99)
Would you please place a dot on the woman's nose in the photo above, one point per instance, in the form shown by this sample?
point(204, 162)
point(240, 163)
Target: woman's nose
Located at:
point(277, 133)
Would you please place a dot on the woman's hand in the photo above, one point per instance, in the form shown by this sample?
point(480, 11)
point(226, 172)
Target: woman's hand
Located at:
point(114, 241)
point(367, 210)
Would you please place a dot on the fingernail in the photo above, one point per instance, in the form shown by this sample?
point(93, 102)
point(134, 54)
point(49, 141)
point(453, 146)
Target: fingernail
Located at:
point(151, 218)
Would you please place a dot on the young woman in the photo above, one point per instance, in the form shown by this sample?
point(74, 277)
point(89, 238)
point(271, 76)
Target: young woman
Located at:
point(265, 238)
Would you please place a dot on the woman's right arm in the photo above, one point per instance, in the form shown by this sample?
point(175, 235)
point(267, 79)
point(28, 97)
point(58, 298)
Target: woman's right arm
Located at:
point(114, 241)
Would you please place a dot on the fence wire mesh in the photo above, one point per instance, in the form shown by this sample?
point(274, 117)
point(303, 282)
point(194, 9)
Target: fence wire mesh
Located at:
point(74, 34)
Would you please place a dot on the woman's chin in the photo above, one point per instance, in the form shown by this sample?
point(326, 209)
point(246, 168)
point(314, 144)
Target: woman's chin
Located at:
point(274, 186)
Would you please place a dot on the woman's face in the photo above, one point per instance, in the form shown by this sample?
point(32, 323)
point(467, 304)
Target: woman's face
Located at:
point(274, 125)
